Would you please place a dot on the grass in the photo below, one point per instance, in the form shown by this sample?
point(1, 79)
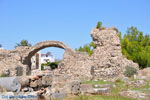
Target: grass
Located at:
point(119, 85)
point(97, 82)
point(99, 97)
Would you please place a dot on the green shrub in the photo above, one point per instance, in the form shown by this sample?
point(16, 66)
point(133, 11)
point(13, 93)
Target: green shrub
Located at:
point(130, 71)
point(99, 25)
point(54, 65)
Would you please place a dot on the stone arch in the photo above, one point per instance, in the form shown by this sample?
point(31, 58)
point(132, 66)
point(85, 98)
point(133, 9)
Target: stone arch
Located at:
point(45, 44)
point(42, 45)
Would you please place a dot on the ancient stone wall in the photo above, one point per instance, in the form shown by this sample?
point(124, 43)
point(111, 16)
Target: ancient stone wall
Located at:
point(107, 57)
point(107, 61)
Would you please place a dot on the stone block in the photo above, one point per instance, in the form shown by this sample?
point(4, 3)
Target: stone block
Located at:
point(47, 80)
point(101, 90)
point(10, 83)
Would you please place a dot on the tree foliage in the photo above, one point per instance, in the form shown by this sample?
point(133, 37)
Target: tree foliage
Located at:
point(52, 65)
point(87, 48)
point(136, 46)
point(0, 45)
point(23, 43)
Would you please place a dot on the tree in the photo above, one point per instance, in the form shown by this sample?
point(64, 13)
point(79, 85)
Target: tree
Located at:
point(23, 43)
point(87, 48)
point(0, 45)
point(136, 46)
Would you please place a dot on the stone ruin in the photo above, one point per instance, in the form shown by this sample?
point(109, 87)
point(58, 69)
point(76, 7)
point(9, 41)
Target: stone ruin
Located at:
point(106, 62)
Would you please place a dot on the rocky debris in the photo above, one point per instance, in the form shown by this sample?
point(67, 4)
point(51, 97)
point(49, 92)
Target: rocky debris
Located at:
point(35, 83)
point(10, 83)
point(47, 80)
point(63, 83)
point(144, 74)
point(27, 89)
point(136, 83)
point(24, 81)
point(135, 94)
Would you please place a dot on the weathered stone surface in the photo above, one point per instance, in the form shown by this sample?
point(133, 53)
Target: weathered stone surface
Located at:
point(144, 74)
point(10, 83)
point(107, 57)
point(24, 81)
point(47, 80)
point(136, 83)
point(27, 89)
point(36, 83)
point(101, 90)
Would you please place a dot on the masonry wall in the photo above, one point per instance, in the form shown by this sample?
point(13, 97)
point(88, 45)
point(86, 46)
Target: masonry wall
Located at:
point(107, 61)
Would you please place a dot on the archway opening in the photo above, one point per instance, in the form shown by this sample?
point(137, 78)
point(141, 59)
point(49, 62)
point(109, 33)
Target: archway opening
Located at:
point(33, 51)
point(47, 58)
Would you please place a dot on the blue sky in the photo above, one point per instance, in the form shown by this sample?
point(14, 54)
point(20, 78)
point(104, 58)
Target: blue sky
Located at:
point(69, 21)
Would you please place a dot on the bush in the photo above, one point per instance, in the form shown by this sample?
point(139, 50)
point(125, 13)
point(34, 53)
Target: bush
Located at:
point(52, 65)
point(99, 25)
point(130, 71)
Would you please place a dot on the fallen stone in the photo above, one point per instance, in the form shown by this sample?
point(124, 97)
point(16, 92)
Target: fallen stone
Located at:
point(101, 90)
point(27, 89)
point(36, 83)
point(47, 80)
point(103, 86)
point(24, 81)
point(10, 83)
